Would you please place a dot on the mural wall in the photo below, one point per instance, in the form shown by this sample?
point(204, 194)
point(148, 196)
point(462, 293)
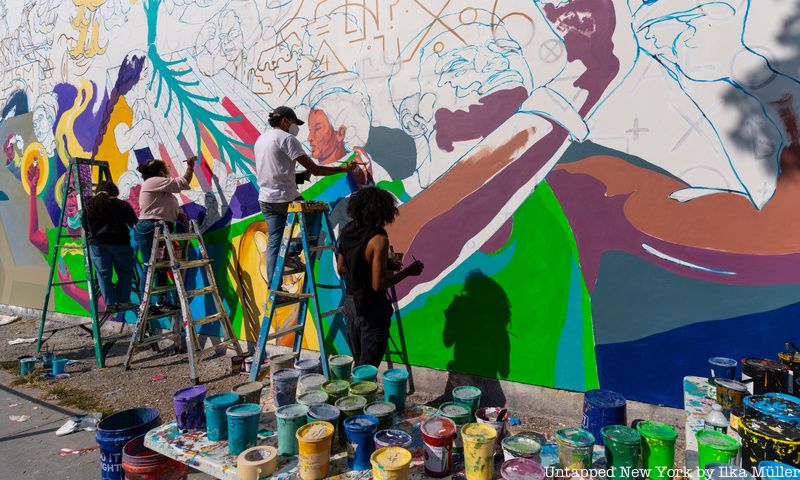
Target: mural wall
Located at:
point(604, 192)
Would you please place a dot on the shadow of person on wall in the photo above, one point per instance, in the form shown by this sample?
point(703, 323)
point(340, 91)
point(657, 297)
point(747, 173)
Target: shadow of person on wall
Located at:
point(476, 327)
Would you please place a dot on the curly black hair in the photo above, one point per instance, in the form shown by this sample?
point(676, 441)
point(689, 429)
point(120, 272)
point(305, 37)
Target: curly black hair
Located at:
point(98, 205)
point(153, 168)
point(372, 206)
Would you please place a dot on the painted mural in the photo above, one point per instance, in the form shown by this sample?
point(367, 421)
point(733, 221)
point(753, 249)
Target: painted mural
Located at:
point(604, 192)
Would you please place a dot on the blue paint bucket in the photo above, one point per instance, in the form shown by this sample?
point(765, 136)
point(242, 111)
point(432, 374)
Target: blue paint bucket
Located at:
point(781, 407)
point(242, 427)
point(27, 365)
point(311, 365)
point(392, 438)
point(284, 386)
point(722, 367)
point(360, 431)
point(58, 365)
point(117, 430)
point(602, 408)
point(216, 419)
point(769, 470)
point(365, 373)
point(395, 382)
point(189, 413)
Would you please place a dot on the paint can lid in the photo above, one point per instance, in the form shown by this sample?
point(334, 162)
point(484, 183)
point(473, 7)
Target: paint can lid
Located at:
point(454, 410)
point(722, 361)
point(395, 375)
point(783, 407)
point(657, 431)
point(365, 371)
point(361, 423)
point(243, 410)
point(480, 432)
point(604, 399)
point(351, 403)
point(438, 427)
point(294, 410)
point(334, 386)
point(314, 397)
point(315, 431)
point(340, 360)
point(282, 358)
point(323, 411)
point(312, 381)
point(466, 392)
point(380, 409)
point(393, 437)
point(621, 434)
point(190, 393)
point(730, 384)
point(771, 428)
point(225, 399)
point(286, 374)
point(524, 444)
point(759, 364)
point(307, 363)
point(391, 458)
point(363, 388)
point(717, 440)
point(249, 387)
point(522, 469)
point(575, 437)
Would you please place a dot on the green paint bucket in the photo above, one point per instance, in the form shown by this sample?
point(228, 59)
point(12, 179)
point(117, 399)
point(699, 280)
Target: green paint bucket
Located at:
point(289, 419)
point(368, 390)
point(384, 412)
point(335, 389)
point(575, 447)
point(351, 405)
point(460, 415)
point(341, 366)
point(468, 396)
point(623, 451)
point(715, 447)
point(658, 448)
point(312, 398)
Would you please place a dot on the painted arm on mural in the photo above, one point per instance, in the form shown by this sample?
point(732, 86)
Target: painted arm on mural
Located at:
point(37, 237)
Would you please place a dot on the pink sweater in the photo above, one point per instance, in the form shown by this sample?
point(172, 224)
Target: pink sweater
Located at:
point(157, 199)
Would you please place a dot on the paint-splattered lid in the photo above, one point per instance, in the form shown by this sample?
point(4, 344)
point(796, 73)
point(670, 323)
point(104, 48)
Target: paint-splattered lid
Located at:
point(772, 428)
point(336, 386)
point(243, 410)
point(621, 434)
point(524, 443)
point(340, 360)
point(351, 403)
point(363, 388)
point(717, 440)
point(454, 411)
point(312, 381)
point(722, 361)
point(314, 397)
point(757, 364)
point(395, 375)
point(522, 469)
point(438, 427)
point(391, 458)
point(785, 408)
point(380, 409)
point(365, 371)
point(393, 437)
point(361, 422)
point(480, 431)
point(282, 358)
point(730, 384)
point(324, 412)
point(657, 431)
point(604, 399)
point(292, 411)
point(249, 387)
point(220, 400)
point(315, 431)
point(576, 437)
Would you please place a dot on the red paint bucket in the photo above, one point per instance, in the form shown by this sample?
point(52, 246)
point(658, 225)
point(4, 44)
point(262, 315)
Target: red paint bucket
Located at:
point(438, 434)
point(141, 463)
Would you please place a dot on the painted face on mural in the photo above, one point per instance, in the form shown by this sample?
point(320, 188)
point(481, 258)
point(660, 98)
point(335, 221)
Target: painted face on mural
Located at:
point(478, 70)
point(231, 38)
point(325, 142)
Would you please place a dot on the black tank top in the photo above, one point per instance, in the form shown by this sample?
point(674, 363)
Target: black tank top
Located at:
point(358, 278)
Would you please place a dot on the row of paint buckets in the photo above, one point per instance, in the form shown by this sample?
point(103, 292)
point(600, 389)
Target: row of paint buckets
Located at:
point(29, 363)
point(761, 375)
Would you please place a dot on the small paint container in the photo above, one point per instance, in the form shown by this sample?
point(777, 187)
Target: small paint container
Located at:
point(216, 420)
point(256, 463)
point(658, 448)
point(360, 431)
point(189, 412)
point(715, 447)
point(365, 373)
point(460, 415)
point(314, 445)
point(59, 364)
point(309, 365)
point(249, 392)
point(284, 386)
point(437, 437)
point(766, 438)
point(341, 367)
point(489, 416)
point(243, 423)
point(480, 441)
point(390, 463)
point(392, 438)
point(523, 445)
point(521, 469)
point(384, 412)
point(237, 364)
point(468, 396)
point(27, 365)
point(622, 448)
point(395, 386)
point(575, 448)
point(310, 382)
point(289, 419)
point(781, 407)
point(730, 394)
point(602, 408)
point(764, 376)
point(281, 361)
point(368, 390)
point(777, 471)
point(312, 398)
point(248, 364)
point(335, 389)
point(722, 367)
point(47, 360)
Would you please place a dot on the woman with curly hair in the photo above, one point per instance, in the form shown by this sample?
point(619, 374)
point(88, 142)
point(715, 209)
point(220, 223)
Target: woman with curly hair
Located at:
point(369, 272)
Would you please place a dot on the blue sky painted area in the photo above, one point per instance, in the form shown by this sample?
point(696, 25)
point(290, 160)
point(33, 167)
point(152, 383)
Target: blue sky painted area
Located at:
point(570, 372)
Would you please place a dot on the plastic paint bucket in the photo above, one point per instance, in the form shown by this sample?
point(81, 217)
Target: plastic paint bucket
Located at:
point(768, 439)
point(237, 364)
point(310, 382)
point(243, 420)
point(777, 471)
point(281, 361)
point(715, 447)
point(368, 390)
point(392, 438)
point(216, 419)
point(335, 389)
point(330, 414)
point(623, 446)
point(117, 430)
point(602, 408)
point(523, 445)
point(314, 444)
point(189, 412)
point(365, 373)
point(726, 471)
point(395, 385)
point(47, 360)
point(312, 398)
point(437, 436)
point(58, 365)
point(360, 431)
point(730, 394)
point(765, 376)
point(256, 463)
point(384, 412)
point(141, 463)
point(658, 448)
point(781, 407)
point(488, 416)
point(341, 366)
point(350, 406)
point(249, 392)
point(722, 367)
point(521, 469)
point(390, 463)
point(479, 446)
point(284, 386)
point(468, 396)
point(575, 448)
point(248, 364)
point(309, 365)
point(460, 415)
point(27, 365)
point(289, 419)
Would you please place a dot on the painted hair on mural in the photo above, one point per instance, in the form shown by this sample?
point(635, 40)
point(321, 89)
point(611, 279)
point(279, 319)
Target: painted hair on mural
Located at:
point(372, 206)
point(153, 168)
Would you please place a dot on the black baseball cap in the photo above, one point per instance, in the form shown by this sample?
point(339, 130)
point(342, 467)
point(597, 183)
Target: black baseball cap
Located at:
point(284, 111)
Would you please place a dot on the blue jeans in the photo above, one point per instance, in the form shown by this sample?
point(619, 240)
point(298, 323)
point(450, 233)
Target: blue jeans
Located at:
point(143, 233)
point(276, 214)
point(107, 259)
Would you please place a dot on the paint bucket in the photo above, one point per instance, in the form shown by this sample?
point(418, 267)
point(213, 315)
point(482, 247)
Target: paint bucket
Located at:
point(189, 413)
point(726, 471)
point(314, 445)
point(730, 394)
point(765, 376)
point(768, 439)
point(602, 408)
point(341, 367)
point(47, 360)
point(523, 445)
point(350, 406)
point(623, 448)
point(390, 463)
point(792, 360)
point(715, 447)
point(769, 470)
point(384, 412)
point(58, 365)
point(256, 463)
point(284, 386)
point(368, 390)
point(365, 373)
point(521, 469)
point(360, 431)
point(330, 414)
point(248, 364)
point(658, 448)
point(489, 416)
point(315, 397)
point(722, 367)
point(141, 463)
point(281, 361)
point(307, 366)
point(237, 364)
point(735, 418)
point(574, 448)
point(310, 382)
point(335, 389)
point(468, 396)
point(289, 419)
point(243, 420)
point(781, 407)
point(27, 365)
point(392, 438)
point(460, 415)
point(249, 392)
point(437, 437)
point(216, 420)
point(115, 431)
point(479, 447)
point(395, 385)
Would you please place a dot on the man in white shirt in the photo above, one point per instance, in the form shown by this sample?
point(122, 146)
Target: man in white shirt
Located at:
point(277, 153)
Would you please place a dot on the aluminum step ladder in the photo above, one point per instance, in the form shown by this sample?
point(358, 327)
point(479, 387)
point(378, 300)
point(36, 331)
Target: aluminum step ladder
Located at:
point(181, 319)
point(316, 235)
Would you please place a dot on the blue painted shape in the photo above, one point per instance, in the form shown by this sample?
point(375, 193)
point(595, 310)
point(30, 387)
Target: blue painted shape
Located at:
point(3, 196)
point(569, 360)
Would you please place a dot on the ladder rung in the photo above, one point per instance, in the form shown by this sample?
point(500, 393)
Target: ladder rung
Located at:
point(214, 348)
point(321, 248)
point(162, 264)
point(299, 296)
point(193, 264)
point(164, 289)
point(73, 282)
point(181, 236)
point(168, 313)
point(72, 235)
point(280, 333)
point(331, 287)
point(209, 319)
point(154, 339)
point(199, 291)
point(333, 312)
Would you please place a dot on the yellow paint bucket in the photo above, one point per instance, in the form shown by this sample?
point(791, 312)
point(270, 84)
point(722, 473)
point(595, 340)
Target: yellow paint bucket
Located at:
point(479, 443)
point(314, 442)
point(390, 463)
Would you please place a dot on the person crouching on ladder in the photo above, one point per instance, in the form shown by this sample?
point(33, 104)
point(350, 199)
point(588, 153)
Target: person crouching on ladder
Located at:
point(363, 260)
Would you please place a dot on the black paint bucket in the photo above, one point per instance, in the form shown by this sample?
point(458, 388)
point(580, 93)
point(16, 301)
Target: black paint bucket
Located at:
point(765, 438)
point(765, 376)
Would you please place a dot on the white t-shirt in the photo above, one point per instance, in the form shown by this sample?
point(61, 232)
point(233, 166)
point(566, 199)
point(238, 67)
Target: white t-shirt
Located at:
point(276, 152)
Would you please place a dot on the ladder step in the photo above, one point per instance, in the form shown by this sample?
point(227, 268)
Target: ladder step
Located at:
point(161, 264)
point(330, 287)
point(155, 339)
point(193, 264)
point(209, 319)
point(74, 282)
point(281, 293)
point(333, 312)
point(181, 236)
point(160, 290)
point(321, 248)
point(214, 348)
point(168, 313)
point(199, 291)
point(280, 333)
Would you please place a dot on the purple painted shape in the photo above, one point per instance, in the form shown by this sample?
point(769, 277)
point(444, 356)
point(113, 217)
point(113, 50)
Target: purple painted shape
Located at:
point(245, 201)
point(66, 95)
point(87, 123)
point(499, 239)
